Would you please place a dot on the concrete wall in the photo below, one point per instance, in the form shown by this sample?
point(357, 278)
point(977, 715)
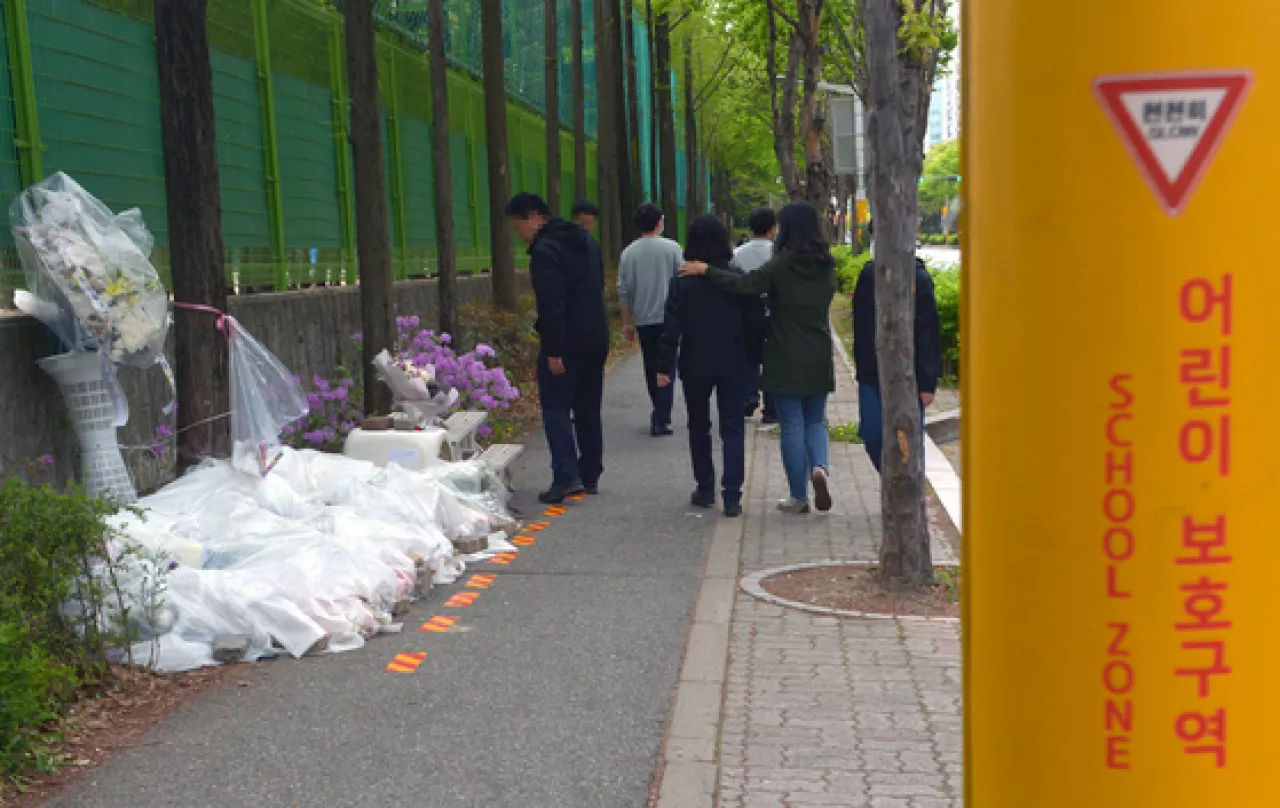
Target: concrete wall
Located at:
point(308, 330)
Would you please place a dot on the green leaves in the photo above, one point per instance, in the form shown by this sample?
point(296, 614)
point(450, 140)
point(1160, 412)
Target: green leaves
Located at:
point(937, 188)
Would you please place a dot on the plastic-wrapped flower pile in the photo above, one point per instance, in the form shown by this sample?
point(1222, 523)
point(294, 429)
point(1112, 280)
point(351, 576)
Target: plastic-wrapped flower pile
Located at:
point(89, 271)
point(481, 384)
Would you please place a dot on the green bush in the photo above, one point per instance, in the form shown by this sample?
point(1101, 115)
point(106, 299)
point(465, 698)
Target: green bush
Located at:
point(946, 287)
point(52, 630)
point(848, 267)
point(954, 240)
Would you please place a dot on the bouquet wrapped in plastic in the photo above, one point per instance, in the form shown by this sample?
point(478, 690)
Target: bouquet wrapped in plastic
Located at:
point(414, 388)
point(89, 271)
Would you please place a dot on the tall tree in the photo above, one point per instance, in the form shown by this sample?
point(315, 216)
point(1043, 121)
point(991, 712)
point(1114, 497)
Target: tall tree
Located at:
point(195, 226)
point(608, 106)
point(446, 247)
point(579, 104)
point(633, 108)
point(665, 118)
point(803, 73)
point(899, 75)
point(616, 57)
point(655, 160)
point(373, 229)
point(552, 48)
point(505, 294)
point(690, 134)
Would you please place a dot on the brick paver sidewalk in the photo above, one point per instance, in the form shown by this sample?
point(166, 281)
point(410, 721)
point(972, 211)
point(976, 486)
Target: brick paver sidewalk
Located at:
point(821, 710)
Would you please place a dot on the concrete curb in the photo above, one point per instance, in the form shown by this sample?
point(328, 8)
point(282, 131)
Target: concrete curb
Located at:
point(689, 766)
point(753, 585)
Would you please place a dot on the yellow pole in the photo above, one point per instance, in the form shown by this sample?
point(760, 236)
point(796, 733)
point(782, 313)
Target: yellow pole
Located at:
point(1121, 333)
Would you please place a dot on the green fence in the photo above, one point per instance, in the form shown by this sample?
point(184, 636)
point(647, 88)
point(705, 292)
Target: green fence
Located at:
point(78, 93)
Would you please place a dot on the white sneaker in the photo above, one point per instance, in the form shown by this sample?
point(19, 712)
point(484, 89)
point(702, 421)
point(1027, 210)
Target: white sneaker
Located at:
point(821, 491)
point(794, 506)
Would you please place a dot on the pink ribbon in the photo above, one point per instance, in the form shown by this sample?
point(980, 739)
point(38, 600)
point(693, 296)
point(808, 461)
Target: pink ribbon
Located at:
point(222, 318)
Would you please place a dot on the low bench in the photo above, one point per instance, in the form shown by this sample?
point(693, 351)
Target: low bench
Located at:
point(498, 459)
point(460, 434)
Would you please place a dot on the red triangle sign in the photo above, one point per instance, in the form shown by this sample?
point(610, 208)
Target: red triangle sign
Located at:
point(1173, 123)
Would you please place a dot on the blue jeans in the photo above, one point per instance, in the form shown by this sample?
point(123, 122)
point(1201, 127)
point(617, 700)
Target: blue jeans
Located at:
point(804, 439)
point(871, 422)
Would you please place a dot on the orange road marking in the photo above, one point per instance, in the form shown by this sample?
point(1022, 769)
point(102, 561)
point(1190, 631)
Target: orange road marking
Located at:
point(524, 541)
point(503, 558)
point(439, 623)
point(462, 599)
point(481, 581)
point(406, 663)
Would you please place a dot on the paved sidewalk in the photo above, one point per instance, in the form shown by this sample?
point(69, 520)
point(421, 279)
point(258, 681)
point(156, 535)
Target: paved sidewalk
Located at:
point(813, 710)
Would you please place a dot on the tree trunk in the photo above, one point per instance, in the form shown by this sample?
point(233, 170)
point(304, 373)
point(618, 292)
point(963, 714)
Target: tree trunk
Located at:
point(633, 110)
point(607, 155)
point(551, 47)
point(373, 233)
point(690, 135)
point(446, 248)
point(579, 105)
point(813, 119)
point(666, 123)
point(784, 121)
point(655, 158)
point(195, 226)
point(895, 88)
point(505, 294)
point(622, 142)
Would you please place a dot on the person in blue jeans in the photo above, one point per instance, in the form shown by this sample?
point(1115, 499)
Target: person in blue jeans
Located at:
point(798, 368)
point(928, 345)
point(718, 338)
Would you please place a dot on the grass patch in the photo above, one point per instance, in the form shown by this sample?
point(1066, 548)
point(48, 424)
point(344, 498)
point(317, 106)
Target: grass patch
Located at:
point(843, 433)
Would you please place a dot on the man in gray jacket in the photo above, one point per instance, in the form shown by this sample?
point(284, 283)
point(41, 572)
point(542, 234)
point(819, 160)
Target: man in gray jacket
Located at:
point(748, 258)
point(644, 278)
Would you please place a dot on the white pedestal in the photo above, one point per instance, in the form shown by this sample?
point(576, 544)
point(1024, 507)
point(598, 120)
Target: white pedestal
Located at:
point(414, 451)
point(93, 414)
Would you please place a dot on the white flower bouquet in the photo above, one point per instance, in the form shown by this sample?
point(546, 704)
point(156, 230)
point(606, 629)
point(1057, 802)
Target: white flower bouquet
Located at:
point(90, 273)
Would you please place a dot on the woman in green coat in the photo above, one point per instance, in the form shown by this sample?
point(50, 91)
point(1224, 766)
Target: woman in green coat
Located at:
point(800, 282)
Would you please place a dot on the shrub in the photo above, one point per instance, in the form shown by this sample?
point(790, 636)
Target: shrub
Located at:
point(54, 635)
point(848, 267)
point(953, 240)
point(946, 286)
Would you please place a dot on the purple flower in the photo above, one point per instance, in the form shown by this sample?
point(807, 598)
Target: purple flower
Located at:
point(347, 383)
point(338, 394)
point(157, 449)
point(447, 339)
point(485, 350)
point(488, 402)
point(314, 402)
point(164, 431)
point(315, 437)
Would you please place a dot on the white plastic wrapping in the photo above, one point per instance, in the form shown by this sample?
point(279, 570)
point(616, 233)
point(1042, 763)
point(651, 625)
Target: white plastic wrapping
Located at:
point(92, 266)
point(265, 397)
point(321, 548)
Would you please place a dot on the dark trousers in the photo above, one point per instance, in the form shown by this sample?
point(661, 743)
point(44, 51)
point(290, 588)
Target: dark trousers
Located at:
point(571, 415)
point(871, 422)
point(731, 401)
point(662, 397)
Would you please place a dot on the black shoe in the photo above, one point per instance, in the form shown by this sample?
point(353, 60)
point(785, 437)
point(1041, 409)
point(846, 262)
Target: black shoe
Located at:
point(592, 489)
point(703, 499)
point(661, 431)
point(733, 509)
point(752, 406)
point(558, 491)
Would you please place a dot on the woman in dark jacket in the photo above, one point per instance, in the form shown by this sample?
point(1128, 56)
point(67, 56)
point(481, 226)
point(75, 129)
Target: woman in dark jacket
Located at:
point(718, 337)
point(798, 369)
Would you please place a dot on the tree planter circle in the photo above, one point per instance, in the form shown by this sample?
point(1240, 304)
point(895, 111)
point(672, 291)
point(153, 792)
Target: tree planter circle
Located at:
point(753, 585)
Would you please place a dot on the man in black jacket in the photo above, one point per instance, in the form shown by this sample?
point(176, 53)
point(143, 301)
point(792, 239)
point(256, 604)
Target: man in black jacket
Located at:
point(573, 327)
point(928, 345)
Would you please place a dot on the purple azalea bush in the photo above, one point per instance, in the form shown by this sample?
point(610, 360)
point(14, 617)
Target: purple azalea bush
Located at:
point(335, 411)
